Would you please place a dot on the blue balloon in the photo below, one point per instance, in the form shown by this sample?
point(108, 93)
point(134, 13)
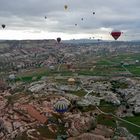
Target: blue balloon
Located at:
point(61, 106)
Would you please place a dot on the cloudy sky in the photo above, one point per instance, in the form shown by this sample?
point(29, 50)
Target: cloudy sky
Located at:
point(24, 19)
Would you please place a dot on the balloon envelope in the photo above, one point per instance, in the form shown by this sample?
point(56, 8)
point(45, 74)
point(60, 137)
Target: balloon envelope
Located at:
point(12, 76)
point(66, 7)
point(61, 106)
point(58, 39)
point(3, 26)
point(116, 34)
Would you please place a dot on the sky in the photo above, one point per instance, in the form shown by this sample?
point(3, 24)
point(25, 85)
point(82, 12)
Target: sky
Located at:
point(24, 19)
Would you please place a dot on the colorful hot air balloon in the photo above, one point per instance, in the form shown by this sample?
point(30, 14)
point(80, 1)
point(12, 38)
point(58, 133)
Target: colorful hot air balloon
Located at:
point(116, 34)
point(58, 39)
point(61, 106)
point(3, 26)
point(66, 7)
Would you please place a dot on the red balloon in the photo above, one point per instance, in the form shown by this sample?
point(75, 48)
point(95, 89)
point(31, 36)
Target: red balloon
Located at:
point(116, 34)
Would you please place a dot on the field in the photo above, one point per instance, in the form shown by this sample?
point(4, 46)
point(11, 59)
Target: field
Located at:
point(136, 120)
point(106, 120)
point(105, 66)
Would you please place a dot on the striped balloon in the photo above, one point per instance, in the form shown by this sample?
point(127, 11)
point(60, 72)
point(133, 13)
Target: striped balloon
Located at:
point(61, 106)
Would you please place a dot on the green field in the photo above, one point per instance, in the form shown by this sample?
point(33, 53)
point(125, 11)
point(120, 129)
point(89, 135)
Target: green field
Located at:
point(105, 66)
point(106, 120)
point(112, 64)
point(134, 69)
point(133, 129)
point(107, 107)
point(114, 60)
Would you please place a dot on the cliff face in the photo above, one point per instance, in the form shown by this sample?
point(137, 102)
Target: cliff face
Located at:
point(9, 44)
point(16, 55)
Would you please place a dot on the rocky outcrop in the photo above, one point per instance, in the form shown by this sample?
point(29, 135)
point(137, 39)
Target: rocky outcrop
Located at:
point(88, 136)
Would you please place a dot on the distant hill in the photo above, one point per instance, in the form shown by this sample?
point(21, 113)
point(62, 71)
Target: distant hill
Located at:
point(53, 42)
point(101, 42)
point(79, 41)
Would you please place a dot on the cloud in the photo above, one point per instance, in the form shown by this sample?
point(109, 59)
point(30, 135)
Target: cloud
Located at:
point(28, 16)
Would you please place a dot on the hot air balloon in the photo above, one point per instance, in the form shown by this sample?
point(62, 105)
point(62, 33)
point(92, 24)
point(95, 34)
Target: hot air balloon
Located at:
point(61, 106)
point(3, 26)
point(93, 13)
point(12, 77)
point(66, 7)
point(58, 39)
point(71, 81)
point(116, 34)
